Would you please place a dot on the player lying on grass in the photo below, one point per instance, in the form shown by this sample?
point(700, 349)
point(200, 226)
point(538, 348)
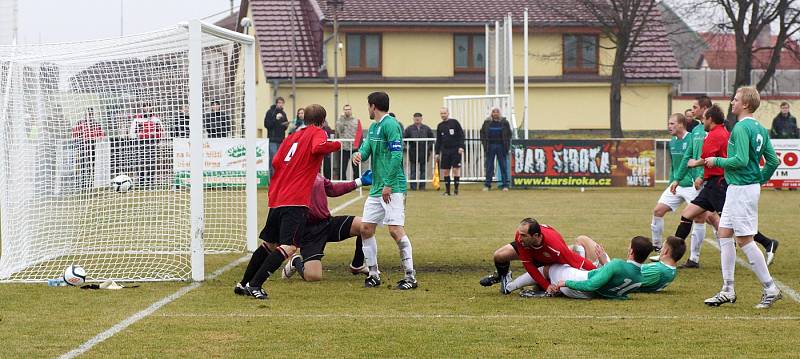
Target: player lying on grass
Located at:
point(320, 229)
point(534, 245)
point(614, 280)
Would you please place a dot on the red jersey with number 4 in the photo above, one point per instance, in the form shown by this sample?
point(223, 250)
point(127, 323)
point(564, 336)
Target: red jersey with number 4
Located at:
point(296, 165)
point(715, 145)
point(553, 250)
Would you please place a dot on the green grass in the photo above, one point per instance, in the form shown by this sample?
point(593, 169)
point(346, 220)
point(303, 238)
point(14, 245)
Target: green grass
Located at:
point(450, 315)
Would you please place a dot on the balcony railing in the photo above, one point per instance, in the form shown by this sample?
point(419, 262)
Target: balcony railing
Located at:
point(720, 82)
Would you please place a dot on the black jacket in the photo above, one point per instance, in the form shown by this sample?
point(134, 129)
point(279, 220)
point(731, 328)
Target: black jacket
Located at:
point(449, 136)
point(181, 127)
point(784, 127)
point(505, 136)
point(422, 132)
point(217, 124)
point(276, 128)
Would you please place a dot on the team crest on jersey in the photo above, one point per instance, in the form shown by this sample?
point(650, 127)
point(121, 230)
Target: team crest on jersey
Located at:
point(452, 132)
point(546, 254)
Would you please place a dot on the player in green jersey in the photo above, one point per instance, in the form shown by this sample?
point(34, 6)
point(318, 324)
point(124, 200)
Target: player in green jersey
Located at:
point(749, 142)
point(614, 280)
point(386, 201)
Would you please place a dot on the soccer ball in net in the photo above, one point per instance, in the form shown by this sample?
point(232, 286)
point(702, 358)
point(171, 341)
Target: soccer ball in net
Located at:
point(121, 183)
point(74, 275)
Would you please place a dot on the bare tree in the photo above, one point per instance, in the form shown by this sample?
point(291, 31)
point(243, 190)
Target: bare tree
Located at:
point(627, 24)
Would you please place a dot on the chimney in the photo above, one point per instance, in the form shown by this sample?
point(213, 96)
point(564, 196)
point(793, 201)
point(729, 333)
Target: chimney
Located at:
point(764, 38)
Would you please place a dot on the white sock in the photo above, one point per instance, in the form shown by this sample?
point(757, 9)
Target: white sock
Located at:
point(698, 235)
point(519, 282)
point(404, 245)
point(370, 248)
point(727, 250)
point(759, 265)
point(658, 230)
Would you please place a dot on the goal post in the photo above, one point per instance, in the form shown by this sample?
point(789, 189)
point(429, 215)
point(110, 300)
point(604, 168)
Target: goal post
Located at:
point(172, 109)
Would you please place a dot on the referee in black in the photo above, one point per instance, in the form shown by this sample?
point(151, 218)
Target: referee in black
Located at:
point(449, 148)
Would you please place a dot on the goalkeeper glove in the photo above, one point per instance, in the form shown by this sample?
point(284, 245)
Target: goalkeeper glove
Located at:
point(365, 180)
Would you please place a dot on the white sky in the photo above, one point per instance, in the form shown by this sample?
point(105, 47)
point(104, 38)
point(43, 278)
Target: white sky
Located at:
point(48, 21)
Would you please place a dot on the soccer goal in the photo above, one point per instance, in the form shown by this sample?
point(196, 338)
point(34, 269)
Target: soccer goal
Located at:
point(171, 110)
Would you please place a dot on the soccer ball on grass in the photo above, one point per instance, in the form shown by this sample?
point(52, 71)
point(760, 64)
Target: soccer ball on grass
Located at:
point(74, 275)
point(121, 183)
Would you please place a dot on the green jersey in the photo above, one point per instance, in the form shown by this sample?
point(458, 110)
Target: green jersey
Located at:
point(677, 149)
point(614, 280)
point(749, 141)
point(384, 144)
point(694, 149)
point(656, 277)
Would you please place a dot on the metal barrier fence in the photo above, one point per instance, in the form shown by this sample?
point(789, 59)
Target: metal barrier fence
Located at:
point(418, 162)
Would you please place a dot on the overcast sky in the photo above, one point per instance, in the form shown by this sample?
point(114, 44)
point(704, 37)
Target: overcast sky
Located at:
point(75, 20)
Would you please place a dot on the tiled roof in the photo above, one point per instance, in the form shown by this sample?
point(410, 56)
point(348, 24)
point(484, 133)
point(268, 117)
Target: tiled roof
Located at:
point(274, 24)
point(721, 53)
point(653, 60)
point(229, 22)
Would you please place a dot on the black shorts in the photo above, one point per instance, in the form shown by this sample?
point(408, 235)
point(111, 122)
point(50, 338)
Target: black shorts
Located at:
point(712, 196)
point(284, 225)
point(450, 159)
point(516, 250)
point(336, 229)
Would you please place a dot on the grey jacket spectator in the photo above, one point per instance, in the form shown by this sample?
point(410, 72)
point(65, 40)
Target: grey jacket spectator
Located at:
point(784, 126)
point(504, 135)
point(346, 127)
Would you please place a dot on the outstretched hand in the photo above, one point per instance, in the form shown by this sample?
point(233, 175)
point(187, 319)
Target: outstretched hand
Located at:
point(366, 178)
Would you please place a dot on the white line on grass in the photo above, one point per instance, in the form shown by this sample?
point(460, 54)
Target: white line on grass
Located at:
point(475, 317)
point(108, 333)
point(784, 288)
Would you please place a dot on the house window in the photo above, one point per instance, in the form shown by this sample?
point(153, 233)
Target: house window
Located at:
point(363, 52)
point(580, 53)
point(470, 53)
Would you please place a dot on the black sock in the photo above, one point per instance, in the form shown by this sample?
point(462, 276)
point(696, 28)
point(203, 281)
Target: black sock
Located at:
point(298, 264)
point(255, 262)
point(270, 265)
point(762, 240)
point(358, 256)
point(455, 182)
point(447, 184)
point(502, 268)
point(684, 228)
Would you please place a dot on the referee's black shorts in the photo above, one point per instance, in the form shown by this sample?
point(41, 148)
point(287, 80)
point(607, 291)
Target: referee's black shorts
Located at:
point(712, 196)
point(335, 229)
point(450, 159)
point(285, 225)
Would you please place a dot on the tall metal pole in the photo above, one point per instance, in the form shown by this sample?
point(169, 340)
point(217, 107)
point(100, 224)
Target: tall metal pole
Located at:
point(294, 61)
point(335, 64)
point(525, 74)
point(121, 18)
point(496, 57)
point(486, 58)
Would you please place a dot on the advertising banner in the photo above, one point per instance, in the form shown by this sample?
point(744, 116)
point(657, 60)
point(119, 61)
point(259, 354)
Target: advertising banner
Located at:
point(224, 162)
point(788, 173)
point(583, 163)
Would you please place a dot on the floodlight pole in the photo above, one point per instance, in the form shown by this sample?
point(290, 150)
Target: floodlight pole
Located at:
point(525, 71)
point(337, 5)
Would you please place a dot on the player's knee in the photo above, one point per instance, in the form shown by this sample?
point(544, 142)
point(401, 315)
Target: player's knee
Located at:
point(660, 211)
point(312, 276)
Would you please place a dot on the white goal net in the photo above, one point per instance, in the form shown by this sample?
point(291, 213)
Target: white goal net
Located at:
point(74, 116)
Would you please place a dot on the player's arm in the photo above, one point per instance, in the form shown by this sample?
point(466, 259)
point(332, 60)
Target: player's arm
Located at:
point(535, 274)
point(460, 133)
point(394, 140)
point(437, 146)
point(366, 148)
point(338, 189)
point(771, 161)
point(742, 154)
point(567, 256)
point(599, 279)
point(683, 168)
point(321, 145)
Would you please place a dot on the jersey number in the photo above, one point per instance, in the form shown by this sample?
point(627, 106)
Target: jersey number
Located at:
point(625, 287)
point(759, 142)
point(291, 152)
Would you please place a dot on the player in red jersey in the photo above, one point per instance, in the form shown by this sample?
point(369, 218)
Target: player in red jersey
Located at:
point(296, 164)
point(535, 245)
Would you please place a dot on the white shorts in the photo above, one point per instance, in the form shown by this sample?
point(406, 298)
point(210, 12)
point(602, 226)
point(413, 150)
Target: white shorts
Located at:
point(682, 194)
point(740, 212)
point(379, 212)
point(565, 272)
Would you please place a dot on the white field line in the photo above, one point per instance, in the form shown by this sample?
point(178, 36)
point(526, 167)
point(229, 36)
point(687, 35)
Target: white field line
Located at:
point(108, 333)
point(787, 290)
point(474, 317)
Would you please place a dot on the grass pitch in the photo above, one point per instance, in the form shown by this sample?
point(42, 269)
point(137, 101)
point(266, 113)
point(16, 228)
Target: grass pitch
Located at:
point(450, 315)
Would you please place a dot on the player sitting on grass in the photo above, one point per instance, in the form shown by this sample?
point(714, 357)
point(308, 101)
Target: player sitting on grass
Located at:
point(658, 275)
point(534, 245)
point(614, 280)
point(320, 229)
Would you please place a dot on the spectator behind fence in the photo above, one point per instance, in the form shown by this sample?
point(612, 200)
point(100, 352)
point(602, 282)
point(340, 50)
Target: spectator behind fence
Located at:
point(180, 127)
point(276, 122)
point(299, 121)
point(784, 125)
point(217, 123)
point(449, 148)
point(327, 163)
point(496, 141)
point(86, 133)
point(346, 126)
point(146, 128)
point(418, 151)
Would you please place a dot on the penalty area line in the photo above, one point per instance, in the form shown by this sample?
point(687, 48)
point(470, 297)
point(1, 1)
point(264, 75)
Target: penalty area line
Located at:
point(789, 291)
point(125, 323)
